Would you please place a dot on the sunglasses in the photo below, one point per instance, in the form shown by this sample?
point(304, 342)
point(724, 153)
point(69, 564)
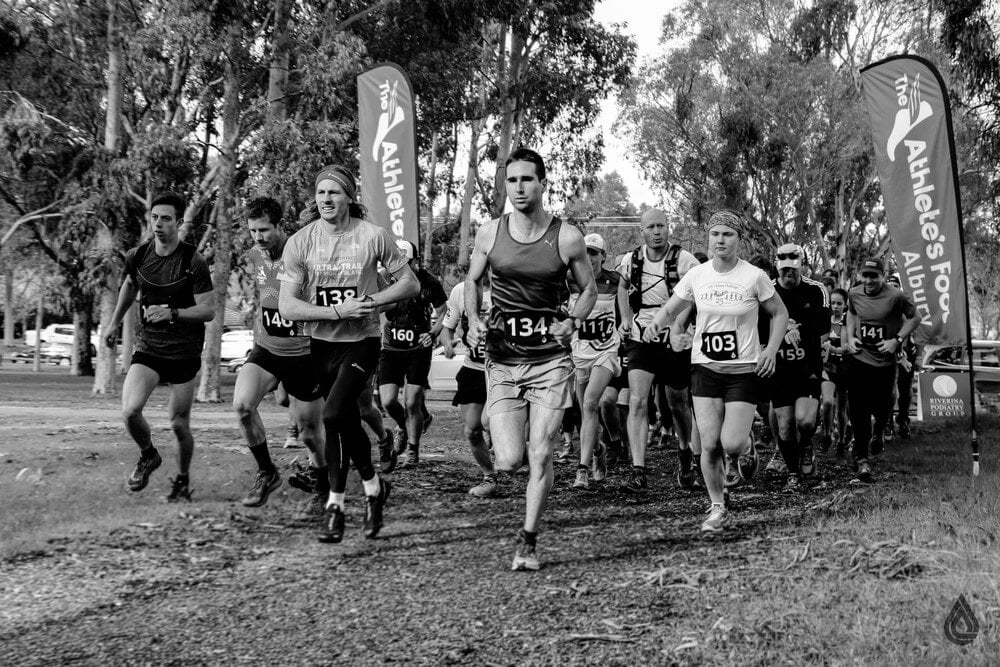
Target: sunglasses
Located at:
point(591, 251)
point(788, 255)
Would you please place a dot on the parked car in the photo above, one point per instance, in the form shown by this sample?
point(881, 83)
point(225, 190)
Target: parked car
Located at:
point(58, 354)
point(57, 333)
point(235, 365)
point(955, 358)
point(443, 369)
point(236, 343)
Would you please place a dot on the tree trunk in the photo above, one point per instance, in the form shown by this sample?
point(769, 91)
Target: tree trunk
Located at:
point(277, 82)
point(104, 373)
point(209, 389)
point(471, 176)
point(507, 118)
point(83, 320)
point(8, 306)
point(39, 316)
point(451, 176)
point(431, 196)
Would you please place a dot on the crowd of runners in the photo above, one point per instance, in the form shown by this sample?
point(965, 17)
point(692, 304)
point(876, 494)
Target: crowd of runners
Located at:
point(718, 355)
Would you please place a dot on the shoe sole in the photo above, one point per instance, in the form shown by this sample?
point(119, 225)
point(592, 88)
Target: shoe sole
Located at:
point(713, 529)
point(330, 539)
point(263, 498)
point(490, 494)
point(145, 481)
point(524, 566)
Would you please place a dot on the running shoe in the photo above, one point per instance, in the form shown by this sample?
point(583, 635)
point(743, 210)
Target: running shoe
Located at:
point(718, 519)
point(793, 484)
point(304, 479)
point(525, 558)
point(653, 437)
point(599, 463)
point(565, 452)
point(825, 443)
point(732, 471)
point(412, 458)
point(387, 456)
point(139, 478)
point(428, 418)
point(374, 508)
point(904, 431)
point(401, 442)
point(686, 479)
point(486, 488)
point(877, 445)
point(265, 482)
point(615, 454)
point(635, 481)
point(312, 512)
point(748, 463)
point(179, 490)
point(864, 475)
point(807, 462)
point(888, 432)
point(292, 439)
point(777, 463)
point(582, 480)
point(333, 526)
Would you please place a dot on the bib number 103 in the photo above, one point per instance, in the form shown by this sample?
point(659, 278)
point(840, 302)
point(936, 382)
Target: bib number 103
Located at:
point(334, 296)
point(719, 345)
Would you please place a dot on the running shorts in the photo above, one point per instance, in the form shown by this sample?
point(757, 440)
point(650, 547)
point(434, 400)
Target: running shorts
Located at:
point(296, 374)
point(785, 389)
point(401, 367)
point(329, 357)
point(471, 387)
point(171, 371)
point(607, 358)
point(730, 387)
point(668, 367)
point(513, 386)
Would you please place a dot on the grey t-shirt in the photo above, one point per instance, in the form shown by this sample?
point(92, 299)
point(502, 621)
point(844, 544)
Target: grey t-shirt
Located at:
point(880, 317)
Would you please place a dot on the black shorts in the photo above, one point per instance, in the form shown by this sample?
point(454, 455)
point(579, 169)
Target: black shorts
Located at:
point(730, 387)
point(171, 371)
point(296, 374)
point(409, 366)
point(787, 388)
point(471, 387)
point(329, 357)
point(668, 367)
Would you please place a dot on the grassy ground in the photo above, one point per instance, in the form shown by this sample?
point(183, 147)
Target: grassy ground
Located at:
point(91, 573)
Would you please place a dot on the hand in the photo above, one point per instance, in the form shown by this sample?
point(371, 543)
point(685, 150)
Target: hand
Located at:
point(625, 330)
point(652, 332)
point(889, 346)
point(425, 340)
point(476, 333)
point(352, 309)
point(905, 363)
point(157, 314)
point(448, 349)
point(765, 363)
point(680, 341)
point(563, 331)
point(852, 346)
point(792, 336)
point(111, 339)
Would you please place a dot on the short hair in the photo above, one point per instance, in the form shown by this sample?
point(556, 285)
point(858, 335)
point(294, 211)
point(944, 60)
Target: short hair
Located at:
point(170, 199)
point(701, 257)
point(260, 207)
point(528, 155)
point(841, 291)
point(763, 262)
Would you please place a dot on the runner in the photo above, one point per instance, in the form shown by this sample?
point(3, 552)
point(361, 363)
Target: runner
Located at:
point(528, 365)
point(727, 358)
point(595, 357)
point(407, 346)
point(879, 318)
point(835, 376)
point(329, 281)
point(906, 365)
point(175, 293)
point(280, 355)
point(797, 383)
point(470, 395)
point(649, 276)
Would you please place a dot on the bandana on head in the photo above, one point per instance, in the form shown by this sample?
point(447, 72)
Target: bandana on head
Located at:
point(341, 176)
point(727, 218)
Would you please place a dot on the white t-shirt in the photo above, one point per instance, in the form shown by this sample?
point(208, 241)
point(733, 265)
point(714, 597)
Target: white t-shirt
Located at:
point(655, 291)
point(725, 335)
point(455, 316)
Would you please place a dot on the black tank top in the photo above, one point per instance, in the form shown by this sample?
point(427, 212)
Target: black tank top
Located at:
point(529, 294)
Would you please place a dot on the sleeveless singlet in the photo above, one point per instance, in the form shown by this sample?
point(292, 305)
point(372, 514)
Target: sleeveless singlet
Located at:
point(529, 295)
point(272, 332)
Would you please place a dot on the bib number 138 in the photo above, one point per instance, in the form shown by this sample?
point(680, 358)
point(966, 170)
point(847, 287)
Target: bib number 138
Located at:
point(719, 345)
point(334, 296)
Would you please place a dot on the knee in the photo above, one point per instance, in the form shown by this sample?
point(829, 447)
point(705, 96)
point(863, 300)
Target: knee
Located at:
point(473, 431)
point(180, 423)
point(131, 413)
point(638, 405)
point(592, 405)
point(734, 443)
point(507, 463)
point(807, 425)
point(413, 406)
point(243, 409)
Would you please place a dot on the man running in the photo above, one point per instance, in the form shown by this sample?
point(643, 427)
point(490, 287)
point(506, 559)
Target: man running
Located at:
point(528, 334)
point(329, 281)
point(407, 346)
point(835, 376)
point(879, 318)
point(175, 300)
point(796, 387)
point(470, 395)
point(280, 355)
point(649, 275)
point(595, 357)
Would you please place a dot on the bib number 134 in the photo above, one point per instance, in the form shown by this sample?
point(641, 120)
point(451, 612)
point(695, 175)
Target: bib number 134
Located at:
point(719, 345)
point(525, 329)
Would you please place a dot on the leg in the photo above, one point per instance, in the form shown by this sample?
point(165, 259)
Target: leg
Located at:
point(369, 413)
point(639, 383)
point(252, 384)
point(136, 390)
point(543, 428)
point(507, 433)
point(806, 411)
point(472, 425)
point(708, 414)
point(179, 408)
point(591, 394)
point(308, 415)
point(677, 401)
point(860, 407)
point(389, 395)
point(788, 442)
point(414, 397)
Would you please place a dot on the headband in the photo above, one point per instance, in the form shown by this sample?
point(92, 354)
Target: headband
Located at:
point(341, 176)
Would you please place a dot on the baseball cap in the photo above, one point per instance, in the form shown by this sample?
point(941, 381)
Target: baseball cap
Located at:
point(405, 248)
point(894, 279)
point(790, 256)
point(873, 265)
point(595, 241)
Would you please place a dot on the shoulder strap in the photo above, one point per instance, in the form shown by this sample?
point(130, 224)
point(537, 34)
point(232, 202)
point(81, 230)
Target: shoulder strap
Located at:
point(635, 279)
point(187, 257)
point(670, 268)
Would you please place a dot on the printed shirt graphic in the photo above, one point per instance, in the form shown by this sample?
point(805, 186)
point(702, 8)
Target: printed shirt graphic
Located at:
point(835, 362)
point(272, 332)
point(655, 291)
point(162, 281)
point(408, 319)
point(880, 317)
point(599, 332)
point(455, 316)
point(330, 268)
point(727, 312)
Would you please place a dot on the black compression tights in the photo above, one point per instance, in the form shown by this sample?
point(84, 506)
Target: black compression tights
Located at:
point(868, 389)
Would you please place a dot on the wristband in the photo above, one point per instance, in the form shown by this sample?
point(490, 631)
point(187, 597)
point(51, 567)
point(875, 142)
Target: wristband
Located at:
point(174, 315)
point(337, 313)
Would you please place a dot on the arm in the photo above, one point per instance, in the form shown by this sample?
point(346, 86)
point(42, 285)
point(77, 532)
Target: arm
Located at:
point(583, 275)
point(126, 297)
point(667, 313)
point(624, 309)
point(438, 325)
point(447, 341)
point(909, 325)
point(474, 282)
point(404, 286)
point(774, 307)
point(847, 333)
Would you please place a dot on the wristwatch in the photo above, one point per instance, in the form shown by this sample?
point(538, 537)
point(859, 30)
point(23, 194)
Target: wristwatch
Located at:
point(173, 315)
point(899, 339)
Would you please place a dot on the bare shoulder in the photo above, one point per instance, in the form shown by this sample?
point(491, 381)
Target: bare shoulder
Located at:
point(486, 234)
point(571, 241)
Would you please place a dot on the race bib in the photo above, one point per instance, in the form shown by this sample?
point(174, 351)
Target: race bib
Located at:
point(275, 324)
point(329, 297)
point(477, 354)
point(400, 337)
point(872, 333)
point(525, 327)
point(664, 336)
point(599, 329)
point(790, 353)
point(720, 345)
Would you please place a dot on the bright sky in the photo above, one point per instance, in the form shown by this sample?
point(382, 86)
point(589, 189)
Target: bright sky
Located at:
point(643, 21)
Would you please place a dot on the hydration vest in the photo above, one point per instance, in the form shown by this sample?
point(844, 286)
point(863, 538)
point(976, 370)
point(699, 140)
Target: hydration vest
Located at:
point(670, 276)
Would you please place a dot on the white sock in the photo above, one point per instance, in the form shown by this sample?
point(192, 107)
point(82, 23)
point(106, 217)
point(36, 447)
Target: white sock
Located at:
point(372, 486)
point(336, 499)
